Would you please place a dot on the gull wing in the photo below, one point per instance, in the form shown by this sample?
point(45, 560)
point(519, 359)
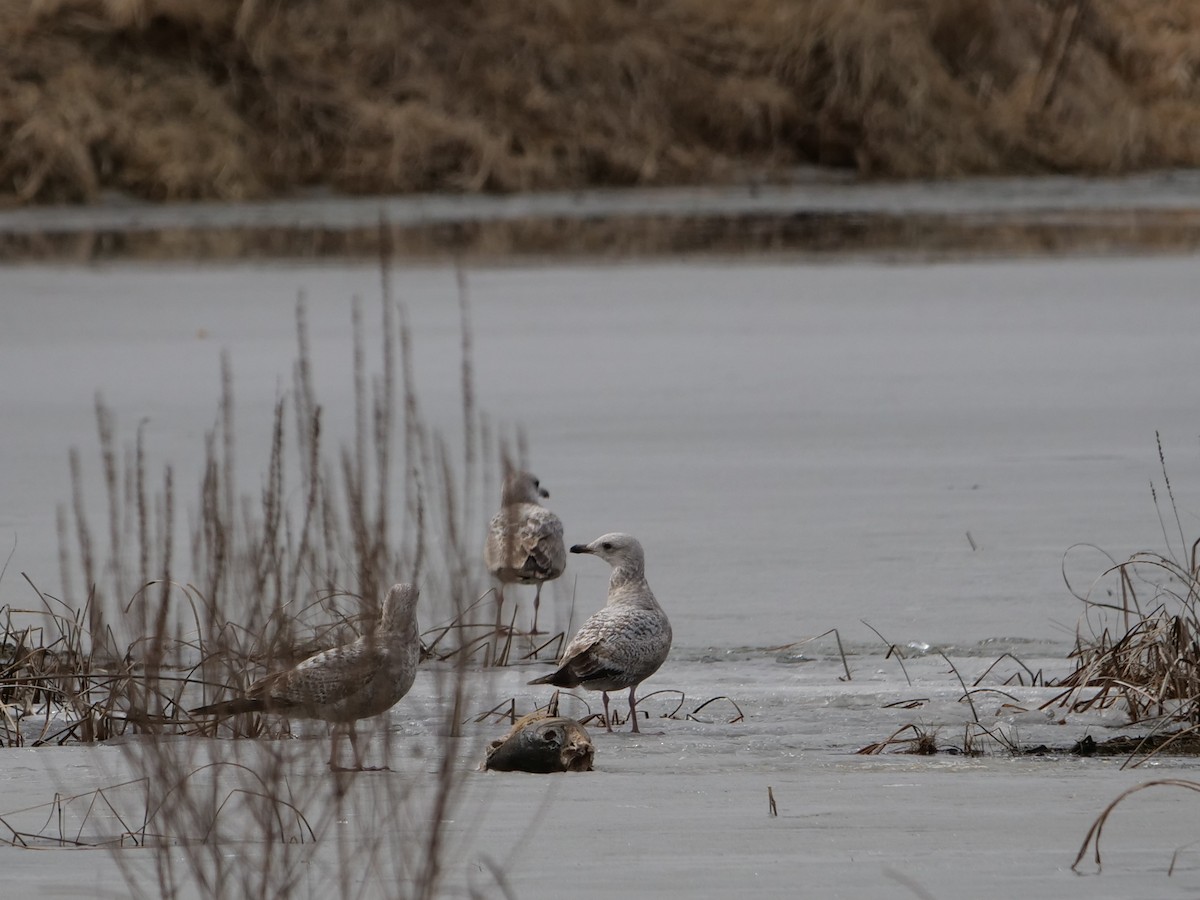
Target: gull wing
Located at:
point(324, 679)
point(525, 542)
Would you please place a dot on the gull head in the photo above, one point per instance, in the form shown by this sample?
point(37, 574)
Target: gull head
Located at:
point(618, 550)
point(522, 487)
point(399, 607)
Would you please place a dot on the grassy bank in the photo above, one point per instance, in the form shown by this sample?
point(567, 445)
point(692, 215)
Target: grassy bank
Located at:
point(234, 99)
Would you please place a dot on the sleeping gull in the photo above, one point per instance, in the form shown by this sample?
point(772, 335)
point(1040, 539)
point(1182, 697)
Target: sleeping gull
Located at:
point(625, 642)
point(345, 684)
point(525, 540)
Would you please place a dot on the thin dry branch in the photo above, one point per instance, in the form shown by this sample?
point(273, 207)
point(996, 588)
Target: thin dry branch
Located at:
point(1092, 839)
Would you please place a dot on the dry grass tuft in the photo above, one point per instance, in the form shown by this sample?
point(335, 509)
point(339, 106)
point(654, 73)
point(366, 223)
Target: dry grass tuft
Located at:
point(52, 689)
point(179, 99)
point(1148, 663)
point(506, 710)
point(907, 739)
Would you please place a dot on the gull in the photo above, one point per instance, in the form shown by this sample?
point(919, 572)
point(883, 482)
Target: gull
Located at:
point(525, 540)
point(627, 640)
point(342, 685)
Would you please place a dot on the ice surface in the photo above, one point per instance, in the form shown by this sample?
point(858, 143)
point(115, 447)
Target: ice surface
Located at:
point(846, 426)
point(854, 422)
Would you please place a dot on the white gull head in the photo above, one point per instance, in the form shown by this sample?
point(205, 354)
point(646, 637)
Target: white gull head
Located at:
point(522, 487)
point(621, 551)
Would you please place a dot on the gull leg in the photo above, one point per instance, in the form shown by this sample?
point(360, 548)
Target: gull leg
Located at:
point(360, 755)
point(607, 720)
point(633, 709)
point(494, 647)
point(333, 749)
point(499, 609)
point(537, 601)
point(353, 735)
point(348, 730)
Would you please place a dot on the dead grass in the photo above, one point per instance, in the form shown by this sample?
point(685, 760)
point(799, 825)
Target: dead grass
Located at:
point(1138, 646)
point(52, 688)
point(271, 576)
point(1137, 651)
point(233, 99)
point(724, 710)
point(909, 738)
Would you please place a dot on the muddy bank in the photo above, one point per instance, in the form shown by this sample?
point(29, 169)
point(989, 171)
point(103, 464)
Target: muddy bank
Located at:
point(816, 215)
point(915, 237)
point(219, 99)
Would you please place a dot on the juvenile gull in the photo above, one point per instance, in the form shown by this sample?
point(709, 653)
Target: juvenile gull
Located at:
point(625, 642)
point(525, 540)
point(345, 684)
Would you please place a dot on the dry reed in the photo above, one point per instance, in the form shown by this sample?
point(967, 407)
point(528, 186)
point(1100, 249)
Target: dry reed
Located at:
point(233, 99)
point(272, 577)
point(1147, 661)
point(1092, 839)
point(920, 741)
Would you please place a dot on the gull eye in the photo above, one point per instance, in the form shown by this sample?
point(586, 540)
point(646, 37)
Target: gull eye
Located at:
point(606, 545)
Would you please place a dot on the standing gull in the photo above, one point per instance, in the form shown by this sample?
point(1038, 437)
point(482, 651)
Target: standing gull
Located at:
point(525, 540)
point(625, 642)
point(345, 684)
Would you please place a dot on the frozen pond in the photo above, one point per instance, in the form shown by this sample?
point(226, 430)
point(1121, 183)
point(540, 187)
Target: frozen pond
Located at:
point(799, 447)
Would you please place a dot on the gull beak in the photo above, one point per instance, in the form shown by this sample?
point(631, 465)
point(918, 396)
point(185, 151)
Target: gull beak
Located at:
point(543, 492)
point(581, 548)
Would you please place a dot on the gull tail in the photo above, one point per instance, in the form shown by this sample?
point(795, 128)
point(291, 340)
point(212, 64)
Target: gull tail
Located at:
point(559, 678)
point(230, 707)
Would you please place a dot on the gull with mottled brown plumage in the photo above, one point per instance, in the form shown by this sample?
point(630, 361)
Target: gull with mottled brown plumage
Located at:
point(525, 540)
point(625, 642)
point(355, 681)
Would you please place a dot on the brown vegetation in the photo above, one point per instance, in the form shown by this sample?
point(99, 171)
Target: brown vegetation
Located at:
point(268, 576)
point(271, 578)
point(1137, 649)
point(231, 99)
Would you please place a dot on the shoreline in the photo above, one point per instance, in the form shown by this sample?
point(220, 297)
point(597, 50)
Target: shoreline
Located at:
point(822, 215)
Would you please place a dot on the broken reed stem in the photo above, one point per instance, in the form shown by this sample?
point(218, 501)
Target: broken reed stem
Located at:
point(1162, 462)
point(1092, 838)
point(1034, 679)
point(966, 691)
point(837, 637)
point(893, 650)
point(1055, 54)
point(738, 718)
